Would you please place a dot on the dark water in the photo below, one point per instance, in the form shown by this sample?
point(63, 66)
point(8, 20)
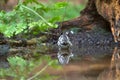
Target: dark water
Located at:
point(92, 63)
point(92, 57)
point(87, 63)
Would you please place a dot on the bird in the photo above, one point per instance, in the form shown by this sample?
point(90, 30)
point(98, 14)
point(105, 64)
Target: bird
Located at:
point(64, 48)
point(64, 42)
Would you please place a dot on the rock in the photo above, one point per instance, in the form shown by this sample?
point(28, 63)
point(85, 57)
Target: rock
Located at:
point(4, 48)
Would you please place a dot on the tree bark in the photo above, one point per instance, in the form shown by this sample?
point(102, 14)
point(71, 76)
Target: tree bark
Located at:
point(110, 10)
point(100, 13)
point(88, 19)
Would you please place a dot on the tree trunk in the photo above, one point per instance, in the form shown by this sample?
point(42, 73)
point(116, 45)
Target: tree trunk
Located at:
point(99, 13)
point(110, 10)
point(89, 17)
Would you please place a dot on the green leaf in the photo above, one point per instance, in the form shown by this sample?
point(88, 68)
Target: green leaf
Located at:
point(60, 5)
point(10, 30)
point(20, 27)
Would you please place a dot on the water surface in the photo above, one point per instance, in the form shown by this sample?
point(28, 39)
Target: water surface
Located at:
point(92, 63)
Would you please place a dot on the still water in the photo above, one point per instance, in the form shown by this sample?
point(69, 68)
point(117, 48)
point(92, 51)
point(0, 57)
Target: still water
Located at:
point(91, 63)
point(87, 63)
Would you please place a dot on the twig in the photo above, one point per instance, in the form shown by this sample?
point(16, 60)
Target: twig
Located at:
point(38, 73)
point(37, 15)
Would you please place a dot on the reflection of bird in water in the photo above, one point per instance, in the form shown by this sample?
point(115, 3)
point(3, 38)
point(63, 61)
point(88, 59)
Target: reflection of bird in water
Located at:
point(64, 57)
point(64, 45)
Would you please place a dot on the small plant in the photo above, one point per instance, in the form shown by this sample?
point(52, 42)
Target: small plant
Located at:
point(20, 69)
point(32, 17)
point(26, 17)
